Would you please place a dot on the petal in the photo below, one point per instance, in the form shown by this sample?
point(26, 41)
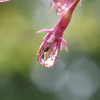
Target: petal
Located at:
point(80, 3)
point(50, 31)
point(44, 30)
point(4, 0)
point(61, 46)
point(52, 38)
point(64, 44)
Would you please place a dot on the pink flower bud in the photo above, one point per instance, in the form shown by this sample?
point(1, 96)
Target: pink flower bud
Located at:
point(53, 41)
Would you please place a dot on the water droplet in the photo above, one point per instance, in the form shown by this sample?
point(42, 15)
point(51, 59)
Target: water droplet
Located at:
point(49, 59)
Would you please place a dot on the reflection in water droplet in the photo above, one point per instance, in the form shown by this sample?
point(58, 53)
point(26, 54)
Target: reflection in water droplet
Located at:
point(48, 59)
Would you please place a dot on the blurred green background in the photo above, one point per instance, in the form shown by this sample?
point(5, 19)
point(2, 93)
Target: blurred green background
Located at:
point(76, 75)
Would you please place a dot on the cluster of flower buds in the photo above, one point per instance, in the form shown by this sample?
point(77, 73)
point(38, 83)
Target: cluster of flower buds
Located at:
point(53, 41)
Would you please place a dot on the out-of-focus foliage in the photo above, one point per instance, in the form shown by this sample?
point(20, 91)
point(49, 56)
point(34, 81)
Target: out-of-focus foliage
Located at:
point(17, 36)
point(76, 76)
